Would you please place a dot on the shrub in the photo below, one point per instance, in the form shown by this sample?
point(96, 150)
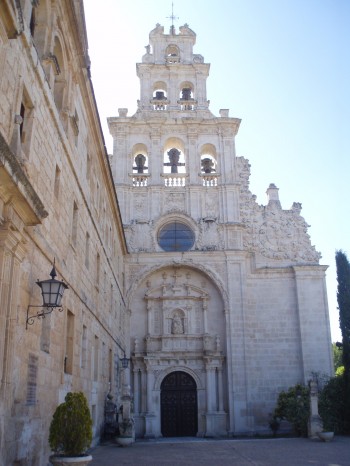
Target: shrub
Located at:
point(71, 426)
point(331, 405)
point(294, 406)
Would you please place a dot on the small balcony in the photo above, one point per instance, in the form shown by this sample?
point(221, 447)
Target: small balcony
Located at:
point(139, 179)
point(174, 179)
point(209, 179)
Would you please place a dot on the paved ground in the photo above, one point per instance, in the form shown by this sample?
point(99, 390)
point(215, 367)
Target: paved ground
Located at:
point(232, 452)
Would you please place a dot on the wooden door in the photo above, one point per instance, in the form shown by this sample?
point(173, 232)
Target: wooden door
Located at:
point(179, 411)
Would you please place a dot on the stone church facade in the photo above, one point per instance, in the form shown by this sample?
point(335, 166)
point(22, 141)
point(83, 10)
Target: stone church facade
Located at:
point(219, 302)
point(227, 298)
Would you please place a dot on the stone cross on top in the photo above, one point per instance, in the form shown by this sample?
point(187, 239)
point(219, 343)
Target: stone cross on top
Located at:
point(174, 157)
point(172, 17)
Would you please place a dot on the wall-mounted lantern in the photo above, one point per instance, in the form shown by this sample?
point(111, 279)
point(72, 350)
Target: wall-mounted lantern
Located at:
point(125, 362)
point(52, 292)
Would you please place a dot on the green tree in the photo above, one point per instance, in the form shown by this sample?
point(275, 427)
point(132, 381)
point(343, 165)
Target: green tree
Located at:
point(337, 356)
point(343, 296)
point(331, 405)
point(294, 406)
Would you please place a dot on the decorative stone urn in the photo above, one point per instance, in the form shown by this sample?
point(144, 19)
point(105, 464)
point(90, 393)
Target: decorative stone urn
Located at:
point(70, 460)
point(325, 436)
point(127, 432)
point(124, 441)
point(127, 425)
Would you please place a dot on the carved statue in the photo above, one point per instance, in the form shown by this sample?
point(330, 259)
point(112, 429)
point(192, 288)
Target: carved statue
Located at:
point(177, 325)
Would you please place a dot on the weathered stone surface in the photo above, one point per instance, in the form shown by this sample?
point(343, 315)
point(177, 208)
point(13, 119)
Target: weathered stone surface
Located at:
point(56, 202)
point(242, 310)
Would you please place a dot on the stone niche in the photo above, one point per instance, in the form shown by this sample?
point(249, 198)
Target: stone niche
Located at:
point(174, 309)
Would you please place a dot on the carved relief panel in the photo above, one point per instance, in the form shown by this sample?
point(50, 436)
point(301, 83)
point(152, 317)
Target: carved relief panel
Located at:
point(176, 310)
point(173, 309)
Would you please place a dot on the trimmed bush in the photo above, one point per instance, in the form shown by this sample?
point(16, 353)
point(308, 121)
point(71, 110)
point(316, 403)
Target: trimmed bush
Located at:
point(71, 426)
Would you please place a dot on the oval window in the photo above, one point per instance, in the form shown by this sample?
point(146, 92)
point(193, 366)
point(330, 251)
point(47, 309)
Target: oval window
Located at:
point(176, 236)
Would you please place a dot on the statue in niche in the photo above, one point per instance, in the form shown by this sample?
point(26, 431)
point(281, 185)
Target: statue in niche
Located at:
point(177, 325)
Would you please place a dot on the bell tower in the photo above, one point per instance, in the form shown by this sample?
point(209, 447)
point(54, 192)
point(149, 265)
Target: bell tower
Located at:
point(173, 154)
point(174, 168)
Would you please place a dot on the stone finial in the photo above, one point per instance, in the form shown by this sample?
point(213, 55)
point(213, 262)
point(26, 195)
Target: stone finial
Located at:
point(123, 112)
point(272, 195)
point(296, 207)
point(224, 112)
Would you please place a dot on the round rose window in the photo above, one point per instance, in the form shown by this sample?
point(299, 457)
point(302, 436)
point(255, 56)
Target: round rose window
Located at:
point(175, 236)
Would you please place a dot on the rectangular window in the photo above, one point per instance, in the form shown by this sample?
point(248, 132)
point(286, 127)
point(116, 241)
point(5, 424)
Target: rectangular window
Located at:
point(21, 125)
point(75, 224)
point(75, 127)
point(26, 114)
point(97, 198)
point(104, 284)
point(96, 358)
point(87, 250)
point(104, 361)
point(32, 22)
point(88, 166)
point(111, 300)
point(56, 186)
point(68, 360)
point(110, 367)
point(98, 260)
point(83, 347)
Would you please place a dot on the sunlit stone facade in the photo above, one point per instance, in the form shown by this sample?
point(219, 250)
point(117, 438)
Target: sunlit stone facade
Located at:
point(219, 301)
point(227, 297)
point(57, 201)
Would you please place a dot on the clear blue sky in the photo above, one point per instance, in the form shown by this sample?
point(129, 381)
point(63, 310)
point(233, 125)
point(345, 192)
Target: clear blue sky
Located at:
point(282, 66)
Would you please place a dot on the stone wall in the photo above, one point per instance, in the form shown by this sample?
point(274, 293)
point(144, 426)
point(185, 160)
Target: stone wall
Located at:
point(57, 201)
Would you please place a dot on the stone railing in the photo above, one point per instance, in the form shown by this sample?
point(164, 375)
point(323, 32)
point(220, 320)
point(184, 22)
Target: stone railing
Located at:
point(139, 179)
point(174, 179)
point(209, 179)
point(159, 104)
point(186, 105)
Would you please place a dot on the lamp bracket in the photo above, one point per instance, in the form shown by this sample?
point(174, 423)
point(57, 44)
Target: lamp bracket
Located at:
point(45, 310)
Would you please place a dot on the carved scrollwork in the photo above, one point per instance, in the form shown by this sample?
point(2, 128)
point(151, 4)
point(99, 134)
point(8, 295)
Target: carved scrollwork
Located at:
point(271, 231)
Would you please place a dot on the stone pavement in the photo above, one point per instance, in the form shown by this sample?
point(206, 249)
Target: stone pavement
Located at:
point(229, 452)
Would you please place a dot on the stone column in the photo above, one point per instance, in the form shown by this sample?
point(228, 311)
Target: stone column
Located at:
point(315, 422)
point(205, 317)
point(155, 159)
point(211, 388)
point(220, 389)
point(12, 253)
point(136, 374)
point(148, 319)
point(149, 388)
point(149, 416)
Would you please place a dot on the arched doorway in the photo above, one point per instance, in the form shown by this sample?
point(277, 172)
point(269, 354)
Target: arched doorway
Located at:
point(178, 398)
